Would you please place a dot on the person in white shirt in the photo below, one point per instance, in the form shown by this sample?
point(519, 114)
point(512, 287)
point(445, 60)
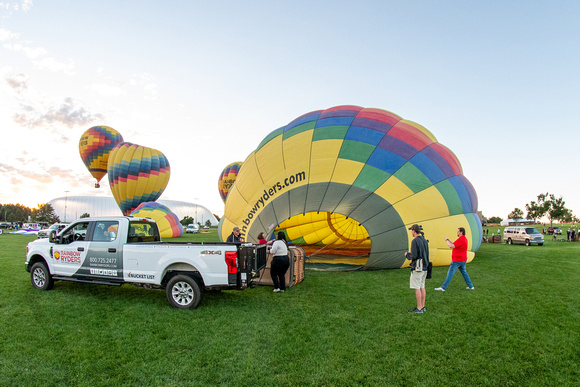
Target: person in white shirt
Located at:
point(280, 262)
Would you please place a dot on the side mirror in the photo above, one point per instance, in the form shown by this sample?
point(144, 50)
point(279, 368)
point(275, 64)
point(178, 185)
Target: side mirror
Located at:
point(52, 236)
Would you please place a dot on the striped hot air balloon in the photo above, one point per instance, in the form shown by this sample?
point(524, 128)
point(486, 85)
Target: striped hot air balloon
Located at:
point(94, 147)
point(167, 221)
point(137, 174)
point(228, 178)
point(350, 179)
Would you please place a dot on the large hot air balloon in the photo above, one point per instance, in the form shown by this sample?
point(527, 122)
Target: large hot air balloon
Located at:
point(347, 183)
point(137, 174)
point(228, 178)
point(167, 221)
point(94, 147)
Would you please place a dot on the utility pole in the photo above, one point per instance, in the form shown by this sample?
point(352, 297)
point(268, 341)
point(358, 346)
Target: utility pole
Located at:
point(65, 203)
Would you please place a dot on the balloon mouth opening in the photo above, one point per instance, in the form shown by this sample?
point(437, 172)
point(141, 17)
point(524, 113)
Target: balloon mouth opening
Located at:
point(329, 238)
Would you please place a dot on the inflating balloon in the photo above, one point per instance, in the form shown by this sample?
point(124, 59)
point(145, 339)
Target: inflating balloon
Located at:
point(94, 147)
point(350, 181)
point(228, 178)
point(167, 221)
point(137, 174)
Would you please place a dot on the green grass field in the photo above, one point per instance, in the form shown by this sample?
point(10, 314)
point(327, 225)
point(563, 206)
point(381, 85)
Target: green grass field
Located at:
point(521, 326)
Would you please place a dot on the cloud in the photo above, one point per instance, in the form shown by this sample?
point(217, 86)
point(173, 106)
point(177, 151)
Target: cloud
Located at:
point(69, 114)
point(55, 66)
point(39, 59)
point(107, 90)
point(7, 35)
point(18, 83)
point(51, 175)
point(16, 6)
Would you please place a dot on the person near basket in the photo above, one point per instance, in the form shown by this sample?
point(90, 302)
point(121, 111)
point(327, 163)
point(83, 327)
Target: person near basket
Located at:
point(280, 262)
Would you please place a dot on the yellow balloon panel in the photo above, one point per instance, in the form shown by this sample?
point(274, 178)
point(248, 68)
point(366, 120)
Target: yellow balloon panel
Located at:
point(346, 171)
point(427, 204)
point(269, 160)
point(324, 156)
point(297, 150)
point(393, 190)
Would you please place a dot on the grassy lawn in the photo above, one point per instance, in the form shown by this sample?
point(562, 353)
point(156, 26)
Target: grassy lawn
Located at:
point(520, 326)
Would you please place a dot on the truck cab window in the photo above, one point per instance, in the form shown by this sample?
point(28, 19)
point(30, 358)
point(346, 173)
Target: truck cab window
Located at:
point(105, 231)
point(142, 232)
point(78, 232)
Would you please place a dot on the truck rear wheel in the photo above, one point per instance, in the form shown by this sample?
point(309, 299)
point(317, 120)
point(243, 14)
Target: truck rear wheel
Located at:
point(183, 292)
point(40, 276)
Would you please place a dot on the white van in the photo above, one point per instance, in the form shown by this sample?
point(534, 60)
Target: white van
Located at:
point(192, 228)
point(523, 235)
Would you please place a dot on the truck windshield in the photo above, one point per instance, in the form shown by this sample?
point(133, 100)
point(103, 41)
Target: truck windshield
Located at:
point(143, 232)
point(531, 230)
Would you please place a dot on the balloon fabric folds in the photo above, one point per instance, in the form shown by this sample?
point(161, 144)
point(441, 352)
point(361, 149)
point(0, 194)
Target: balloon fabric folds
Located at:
point(137, 174)
point(228, 178)
point(167, 221)
point(347, 183)
point(94, 147)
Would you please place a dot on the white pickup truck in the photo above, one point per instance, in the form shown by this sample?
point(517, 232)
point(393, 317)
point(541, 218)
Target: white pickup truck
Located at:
point(120, 250)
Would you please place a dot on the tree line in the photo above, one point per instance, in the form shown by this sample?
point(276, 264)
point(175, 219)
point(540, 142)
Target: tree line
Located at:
point(547, 205)
point(18, 213)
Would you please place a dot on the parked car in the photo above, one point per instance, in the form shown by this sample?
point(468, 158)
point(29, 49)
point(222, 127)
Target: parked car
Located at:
point(523, 235)
point(192, 229)
point(57, 227)
point(206, 227)
point(554, 230)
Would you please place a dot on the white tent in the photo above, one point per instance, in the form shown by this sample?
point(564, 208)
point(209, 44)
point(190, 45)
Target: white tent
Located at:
point(69, 208)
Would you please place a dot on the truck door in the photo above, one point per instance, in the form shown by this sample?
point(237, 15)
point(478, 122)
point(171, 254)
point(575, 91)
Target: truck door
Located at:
point(104, 253)
point(71, 250)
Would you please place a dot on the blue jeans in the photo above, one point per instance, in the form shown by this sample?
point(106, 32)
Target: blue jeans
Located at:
point(452, 269)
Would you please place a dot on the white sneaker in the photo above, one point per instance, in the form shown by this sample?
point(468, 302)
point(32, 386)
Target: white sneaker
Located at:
point(276, 290)
point(440, 289)
point(470, 288)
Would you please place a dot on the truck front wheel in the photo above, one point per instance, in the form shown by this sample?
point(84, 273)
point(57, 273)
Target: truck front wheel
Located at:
point(40, 276)
point(183, 292)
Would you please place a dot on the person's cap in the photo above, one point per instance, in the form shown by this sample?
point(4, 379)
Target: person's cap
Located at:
point(236, 228)
point(415, 228)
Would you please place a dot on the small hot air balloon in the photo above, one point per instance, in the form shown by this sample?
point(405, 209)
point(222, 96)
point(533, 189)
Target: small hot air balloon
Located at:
point(94, 147)
point(137, 174)
point(167, 221)
point(228, 178)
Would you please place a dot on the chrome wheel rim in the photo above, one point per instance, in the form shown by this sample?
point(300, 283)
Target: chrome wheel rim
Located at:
point(182, 293)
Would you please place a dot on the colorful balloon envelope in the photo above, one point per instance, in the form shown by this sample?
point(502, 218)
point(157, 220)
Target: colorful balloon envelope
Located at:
point(347, 183)
point(167, 221)
point(228, 178)
point(137, 174)
point(95, 146)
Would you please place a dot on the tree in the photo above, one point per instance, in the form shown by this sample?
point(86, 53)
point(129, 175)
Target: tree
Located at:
point(554, 208)
point(494, 219)
point(516, 214)
point(534, 210)
point(15, 213)
point(186, 221)
point(45, 213)
point(85, 215)
point(208, 223)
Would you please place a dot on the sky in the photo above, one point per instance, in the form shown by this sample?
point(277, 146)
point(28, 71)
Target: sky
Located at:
point(205, 81)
